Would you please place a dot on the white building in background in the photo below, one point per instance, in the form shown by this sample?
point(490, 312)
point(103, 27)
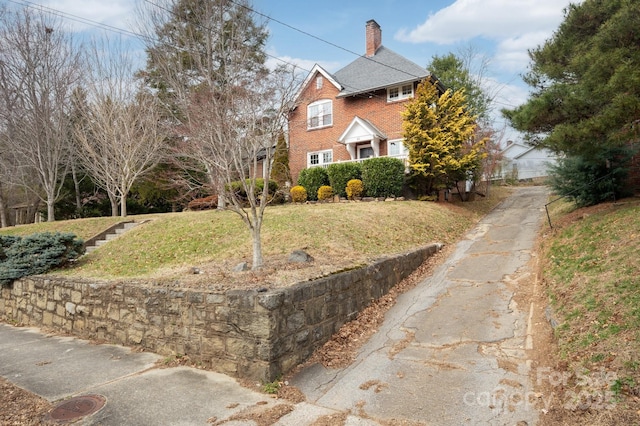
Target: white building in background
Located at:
point(521, 161)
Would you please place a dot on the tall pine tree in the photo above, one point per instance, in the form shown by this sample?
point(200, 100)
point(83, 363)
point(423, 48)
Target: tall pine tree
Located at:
point(585, 81)
point(585, 101)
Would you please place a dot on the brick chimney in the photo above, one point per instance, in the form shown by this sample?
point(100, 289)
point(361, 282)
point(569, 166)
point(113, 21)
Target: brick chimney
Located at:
point(374, 37)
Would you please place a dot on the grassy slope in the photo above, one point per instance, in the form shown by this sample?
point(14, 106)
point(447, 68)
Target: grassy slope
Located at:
point(355, 231)
point(592, 274)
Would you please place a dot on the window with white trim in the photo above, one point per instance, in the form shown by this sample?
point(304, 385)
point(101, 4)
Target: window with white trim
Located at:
point(319, 82)
point(396, 148)
point(400, 92)
point(319, 158)
point(320, 114)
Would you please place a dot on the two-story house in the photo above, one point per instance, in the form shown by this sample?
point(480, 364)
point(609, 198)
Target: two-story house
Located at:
point(355, 113)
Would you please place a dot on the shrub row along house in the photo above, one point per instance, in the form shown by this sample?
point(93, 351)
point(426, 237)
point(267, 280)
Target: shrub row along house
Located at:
point(355, 113)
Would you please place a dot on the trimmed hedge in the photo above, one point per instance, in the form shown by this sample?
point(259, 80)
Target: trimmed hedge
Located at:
point(312, 179)
point(383, 177)
point(36, 254)
point(341, 173)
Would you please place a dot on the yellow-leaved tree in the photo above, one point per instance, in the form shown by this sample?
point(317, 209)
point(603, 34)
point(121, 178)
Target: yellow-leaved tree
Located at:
point(440, 135)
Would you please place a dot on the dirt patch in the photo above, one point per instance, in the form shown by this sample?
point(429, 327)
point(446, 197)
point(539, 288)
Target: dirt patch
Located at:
point(341, 350)
point(565, 396)
point(20, 407)
point(259, 414)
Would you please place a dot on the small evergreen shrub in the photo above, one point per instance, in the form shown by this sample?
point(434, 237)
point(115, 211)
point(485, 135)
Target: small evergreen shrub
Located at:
point(383, 177)
point(325, 192)
point(592, 180)
point(298, 194)
point(36, 254)
point(341, 173)
point(312, 179)
point(354, 188)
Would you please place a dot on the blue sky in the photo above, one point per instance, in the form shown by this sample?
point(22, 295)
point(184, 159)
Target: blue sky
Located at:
point(500, 30)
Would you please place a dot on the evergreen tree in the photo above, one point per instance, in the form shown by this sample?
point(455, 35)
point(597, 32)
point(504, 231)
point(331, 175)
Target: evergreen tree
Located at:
point(585, 100)
point(439, 133)
point(201, 45)
point(585, 81)
point(454, 72)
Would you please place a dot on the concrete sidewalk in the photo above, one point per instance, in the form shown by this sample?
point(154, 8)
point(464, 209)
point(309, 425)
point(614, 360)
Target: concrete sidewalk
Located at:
point(452, 351)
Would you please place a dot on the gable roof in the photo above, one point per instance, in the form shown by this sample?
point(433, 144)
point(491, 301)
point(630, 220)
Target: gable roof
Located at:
point(384, 69)
point(521, 150)
point(360, 129)
point(317, 69)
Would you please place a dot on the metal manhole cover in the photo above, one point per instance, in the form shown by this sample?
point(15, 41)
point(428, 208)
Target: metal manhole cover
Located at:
point(77, 407)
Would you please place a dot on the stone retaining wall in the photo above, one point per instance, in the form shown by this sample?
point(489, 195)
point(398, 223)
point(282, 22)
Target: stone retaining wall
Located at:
point(244, 333)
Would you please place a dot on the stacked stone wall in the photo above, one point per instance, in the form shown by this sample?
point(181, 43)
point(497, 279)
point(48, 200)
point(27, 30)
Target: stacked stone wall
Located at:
point(252, 334)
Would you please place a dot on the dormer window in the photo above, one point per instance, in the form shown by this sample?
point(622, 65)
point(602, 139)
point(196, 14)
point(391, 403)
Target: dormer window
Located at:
point(319, 114)
point(399, 93)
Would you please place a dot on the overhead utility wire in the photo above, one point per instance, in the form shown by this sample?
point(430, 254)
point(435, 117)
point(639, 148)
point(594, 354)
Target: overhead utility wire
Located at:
point(79, 19)
point(115, 29)
point(274, 57)
point(320, 39)
point(123, 31)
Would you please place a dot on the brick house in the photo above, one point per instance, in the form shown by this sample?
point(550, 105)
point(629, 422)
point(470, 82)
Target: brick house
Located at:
point(355, 113)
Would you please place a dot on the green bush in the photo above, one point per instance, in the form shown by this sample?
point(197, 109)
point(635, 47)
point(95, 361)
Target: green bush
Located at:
point(298, 194)
point(325, 192)
point(592, 180)
point(354, 188)
point(36, 254)
point(312, 179)
point(341, 173)
point(383, 177)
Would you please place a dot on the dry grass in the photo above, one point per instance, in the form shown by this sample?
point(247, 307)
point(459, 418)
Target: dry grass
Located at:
point(339, 236)
point(591, 273)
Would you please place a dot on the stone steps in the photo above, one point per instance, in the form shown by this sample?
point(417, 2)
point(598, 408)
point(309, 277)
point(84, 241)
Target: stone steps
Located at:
point(114, 233)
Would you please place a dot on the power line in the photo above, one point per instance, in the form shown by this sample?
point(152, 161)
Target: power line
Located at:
point(78, 19)
point(322, 40)
point(274, 57)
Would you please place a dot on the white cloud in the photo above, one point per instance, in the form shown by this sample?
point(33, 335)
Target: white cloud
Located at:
point(491, 19)
point(513, 26)
point(117, 13)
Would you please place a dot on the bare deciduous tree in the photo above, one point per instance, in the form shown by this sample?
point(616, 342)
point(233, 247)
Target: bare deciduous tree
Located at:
point(119, 136)
point(39, 67)
point(229, 109)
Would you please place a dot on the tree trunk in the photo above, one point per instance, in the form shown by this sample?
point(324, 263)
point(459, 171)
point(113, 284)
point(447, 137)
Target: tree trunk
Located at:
point(76, 186)
point(114, 204)
point(50, 210)
point(3, 213)
point(257, 246)
point(123, 206)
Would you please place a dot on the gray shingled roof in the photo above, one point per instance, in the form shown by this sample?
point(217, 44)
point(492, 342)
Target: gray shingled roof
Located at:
point(385, 69)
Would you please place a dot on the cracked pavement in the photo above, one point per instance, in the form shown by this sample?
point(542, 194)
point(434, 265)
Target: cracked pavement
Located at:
point(453, 350)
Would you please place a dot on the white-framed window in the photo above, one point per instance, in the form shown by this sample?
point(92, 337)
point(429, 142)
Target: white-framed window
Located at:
point(319, 158)
point(319, 81)
point(320, 114)
point(396, 148)
point(400, 92)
